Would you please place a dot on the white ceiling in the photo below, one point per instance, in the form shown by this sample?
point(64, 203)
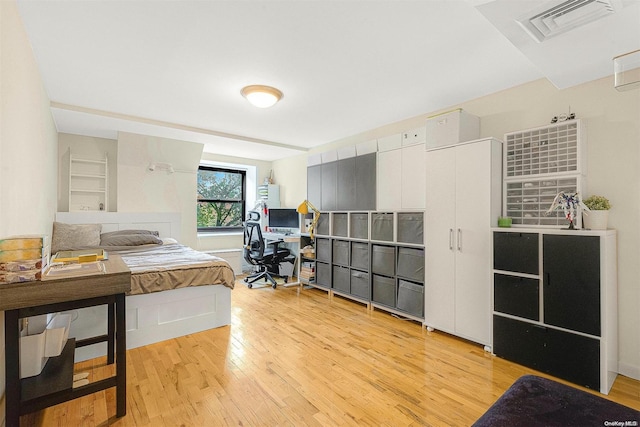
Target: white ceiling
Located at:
point(175, 68)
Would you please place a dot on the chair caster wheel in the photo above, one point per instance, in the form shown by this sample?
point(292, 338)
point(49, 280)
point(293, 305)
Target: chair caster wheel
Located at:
point(274, 286)
point(246, 280)
point(286, 279)
point(250, 285)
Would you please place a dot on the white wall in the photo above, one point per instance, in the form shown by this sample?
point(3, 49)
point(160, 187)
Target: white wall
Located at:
point(613, 131)
point(141, 190)
point(28, 146)
point(292, 173)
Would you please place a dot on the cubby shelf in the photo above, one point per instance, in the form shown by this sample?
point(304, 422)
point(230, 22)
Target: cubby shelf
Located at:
point(376, 258)
point(538, 164)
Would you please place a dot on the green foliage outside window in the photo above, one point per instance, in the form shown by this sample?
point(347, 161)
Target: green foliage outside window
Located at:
point(220, 198)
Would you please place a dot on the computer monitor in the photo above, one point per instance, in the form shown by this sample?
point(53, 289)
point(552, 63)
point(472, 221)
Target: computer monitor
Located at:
point(283, 218)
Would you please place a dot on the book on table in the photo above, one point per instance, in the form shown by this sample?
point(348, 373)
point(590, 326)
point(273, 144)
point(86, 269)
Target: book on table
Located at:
point(80, 256)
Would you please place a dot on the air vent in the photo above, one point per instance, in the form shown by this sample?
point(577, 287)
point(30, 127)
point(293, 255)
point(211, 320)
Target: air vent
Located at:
point(558, 16)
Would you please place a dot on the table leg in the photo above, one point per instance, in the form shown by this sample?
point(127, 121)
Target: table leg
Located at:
point(111, 336)
point(121, 357)
point(12, 367)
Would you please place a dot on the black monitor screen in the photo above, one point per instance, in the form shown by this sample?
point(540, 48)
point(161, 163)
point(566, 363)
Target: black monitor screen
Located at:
point(283, 218)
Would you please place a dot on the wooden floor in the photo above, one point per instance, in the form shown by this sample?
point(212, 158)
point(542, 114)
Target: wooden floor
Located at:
point(295, 358)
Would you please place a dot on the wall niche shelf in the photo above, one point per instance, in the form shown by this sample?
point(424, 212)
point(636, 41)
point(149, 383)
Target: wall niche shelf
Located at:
point(88, 183)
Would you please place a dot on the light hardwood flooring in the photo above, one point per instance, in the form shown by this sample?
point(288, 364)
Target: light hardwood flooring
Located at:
point(296, 358)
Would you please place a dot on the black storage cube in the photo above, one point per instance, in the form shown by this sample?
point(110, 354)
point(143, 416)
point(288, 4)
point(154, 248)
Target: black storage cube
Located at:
point(520, 342)
point(360, 225)
point(340, 278)
point(518, 296)
point(382, 226)
point(384, 290)
point(411, 263)
point(323, 249)
point(340, 225)
point(411, 298)
point(323, 274)
point(341, 252)
point(322, 227)
point(411, 228)
point(383, 260)
point(516, 252)
point(360, 255)
point(360, 284)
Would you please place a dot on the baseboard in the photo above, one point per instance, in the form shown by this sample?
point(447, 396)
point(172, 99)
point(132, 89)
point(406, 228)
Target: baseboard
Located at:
point(629, 370)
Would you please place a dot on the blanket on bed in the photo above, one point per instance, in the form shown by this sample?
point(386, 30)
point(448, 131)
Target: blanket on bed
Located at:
point(535, 401)
point(161, 267)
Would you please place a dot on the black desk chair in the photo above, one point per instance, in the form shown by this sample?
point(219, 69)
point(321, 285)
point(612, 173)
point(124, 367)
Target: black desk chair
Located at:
point(267, 256)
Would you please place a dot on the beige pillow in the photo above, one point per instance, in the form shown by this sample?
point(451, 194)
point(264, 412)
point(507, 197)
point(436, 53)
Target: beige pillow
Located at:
point(68, 237)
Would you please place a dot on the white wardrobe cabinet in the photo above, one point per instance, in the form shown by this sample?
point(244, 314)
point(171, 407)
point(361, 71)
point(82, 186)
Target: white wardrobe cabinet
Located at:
point(401, 177)
point(412, 180)
point(463, 197)
point(389, 178)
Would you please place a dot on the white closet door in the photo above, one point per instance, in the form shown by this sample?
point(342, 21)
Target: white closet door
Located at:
point(413, 177)
point(440, 240)
point(388, 193)
point(473, 241)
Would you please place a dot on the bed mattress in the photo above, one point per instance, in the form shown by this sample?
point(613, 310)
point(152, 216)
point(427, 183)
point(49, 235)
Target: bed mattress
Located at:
point(171, 266)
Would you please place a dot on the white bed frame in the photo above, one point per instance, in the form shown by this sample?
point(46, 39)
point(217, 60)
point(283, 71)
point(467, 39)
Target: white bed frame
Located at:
point(151, 317)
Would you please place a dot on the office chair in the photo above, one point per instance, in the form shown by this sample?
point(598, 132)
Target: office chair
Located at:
point(267, 256)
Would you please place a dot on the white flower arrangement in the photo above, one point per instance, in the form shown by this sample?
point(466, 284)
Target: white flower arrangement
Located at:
point(570, 204)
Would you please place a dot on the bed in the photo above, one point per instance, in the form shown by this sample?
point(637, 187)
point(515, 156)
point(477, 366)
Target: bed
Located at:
point(175, 290)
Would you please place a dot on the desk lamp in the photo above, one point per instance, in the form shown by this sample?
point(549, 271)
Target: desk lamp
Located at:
point(303, 209)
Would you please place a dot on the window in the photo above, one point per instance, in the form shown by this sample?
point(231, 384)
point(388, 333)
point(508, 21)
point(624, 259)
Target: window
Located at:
point(221, 198)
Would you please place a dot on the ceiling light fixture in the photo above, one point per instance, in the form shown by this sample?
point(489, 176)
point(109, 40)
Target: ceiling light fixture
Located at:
point(261, 96)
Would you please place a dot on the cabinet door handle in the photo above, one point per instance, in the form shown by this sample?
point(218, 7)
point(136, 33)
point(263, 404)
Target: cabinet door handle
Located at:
point(548, 277)
point(459, 239)
point(451, 239)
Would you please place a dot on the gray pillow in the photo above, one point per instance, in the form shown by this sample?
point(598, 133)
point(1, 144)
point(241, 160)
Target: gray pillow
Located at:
point(69, 237)
point(129, 239)
point(128, 232)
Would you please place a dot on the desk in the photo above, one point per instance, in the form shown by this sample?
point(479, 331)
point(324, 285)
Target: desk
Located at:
point(54, 384)
point(294, 240)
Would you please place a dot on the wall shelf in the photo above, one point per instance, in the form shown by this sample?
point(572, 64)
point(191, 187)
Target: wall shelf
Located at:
point(88, 184)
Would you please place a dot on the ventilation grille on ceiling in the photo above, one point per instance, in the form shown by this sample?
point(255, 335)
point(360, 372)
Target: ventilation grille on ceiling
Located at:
point(543, 23)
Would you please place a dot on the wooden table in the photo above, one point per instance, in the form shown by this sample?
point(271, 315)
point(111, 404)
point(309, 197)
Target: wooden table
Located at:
point(54, 384)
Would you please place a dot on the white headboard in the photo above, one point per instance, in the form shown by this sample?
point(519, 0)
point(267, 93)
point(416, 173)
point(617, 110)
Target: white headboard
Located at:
point(167, 224)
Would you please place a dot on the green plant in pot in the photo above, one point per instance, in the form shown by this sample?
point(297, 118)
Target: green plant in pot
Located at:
point(598, 215)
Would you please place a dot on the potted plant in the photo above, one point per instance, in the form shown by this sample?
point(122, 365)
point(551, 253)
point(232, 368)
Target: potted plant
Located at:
point(598, 214)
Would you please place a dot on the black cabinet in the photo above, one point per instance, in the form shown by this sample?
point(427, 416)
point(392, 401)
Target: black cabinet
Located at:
point(517, 252)
point(365, 182)
point(572, 282)
point(329, 182)
point(573, 357)
point(518, 296)
point(556, 312)
point(314, 185)
point(345, 184)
